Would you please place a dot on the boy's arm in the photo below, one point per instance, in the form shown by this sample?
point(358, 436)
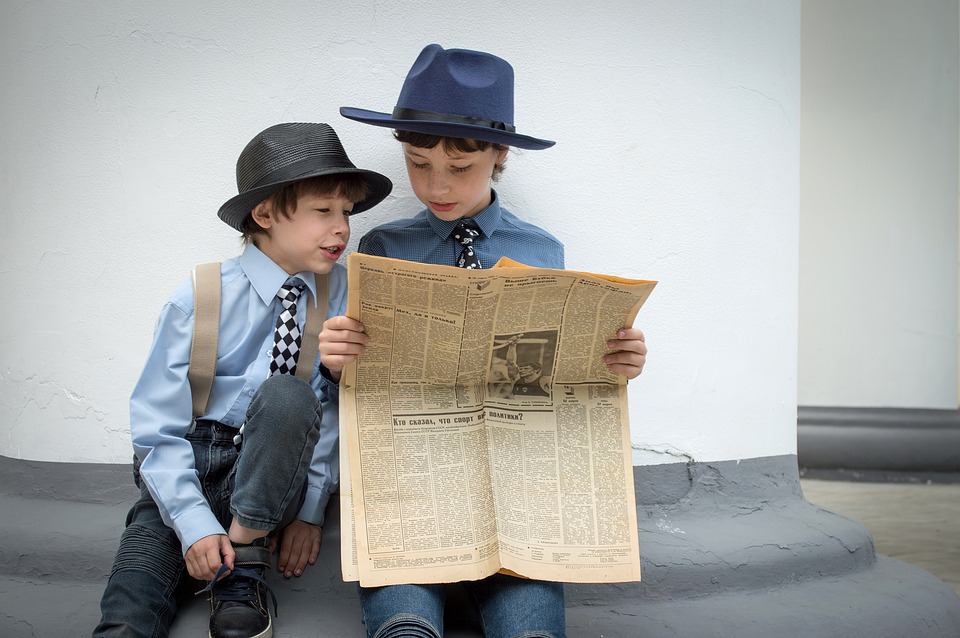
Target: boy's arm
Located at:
point(628, 353)
point(323, 474)
point(341, 341)
point(160, 416)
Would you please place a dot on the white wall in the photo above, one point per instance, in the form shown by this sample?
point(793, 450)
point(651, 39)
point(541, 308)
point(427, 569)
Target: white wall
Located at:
point(678, 160)
point(878, 241)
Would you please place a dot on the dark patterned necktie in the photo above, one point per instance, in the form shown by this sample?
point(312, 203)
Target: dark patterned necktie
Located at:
point(465, 232)
point(286, 337)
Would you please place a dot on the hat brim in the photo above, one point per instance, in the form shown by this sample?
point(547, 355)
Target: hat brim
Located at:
point(236, 209)
point(446, 129)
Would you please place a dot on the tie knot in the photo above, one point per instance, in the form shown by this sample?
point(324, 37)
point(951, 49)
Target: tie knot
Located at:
point(291, 289)
point(465, 231)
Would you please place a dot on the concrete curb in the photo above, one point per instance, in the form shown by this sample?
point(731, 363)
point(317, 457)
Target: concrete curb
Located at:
point(728, 548)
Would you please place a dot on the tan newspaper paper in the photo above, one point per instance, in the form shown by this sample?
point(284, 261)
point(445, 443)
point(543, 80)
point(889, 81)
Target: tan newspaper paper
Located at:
point(458, 457)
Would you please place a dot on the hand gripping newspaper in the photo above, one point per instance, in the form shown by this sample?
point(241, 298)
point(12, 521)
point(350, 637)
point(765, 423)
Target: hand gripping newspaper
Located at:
point(480, 430)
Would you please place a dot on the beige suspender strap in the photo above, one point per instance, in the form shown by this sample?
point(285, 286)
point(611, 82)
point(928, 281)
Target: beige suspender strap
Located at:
point(316, 315)
point(206, 331)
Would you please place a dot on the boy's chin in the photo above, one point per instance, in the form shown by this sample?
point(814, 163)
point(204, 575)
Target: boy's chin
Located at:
point(319, 266)
point(322, 267)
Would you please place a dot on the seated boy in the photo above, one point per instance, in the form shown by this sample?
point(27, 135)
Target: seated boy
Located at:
point(454, 119)
point(206, 509)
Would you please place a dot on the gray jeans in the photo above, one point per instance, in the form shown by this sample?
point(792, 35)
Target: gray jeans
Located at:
point(263, 487)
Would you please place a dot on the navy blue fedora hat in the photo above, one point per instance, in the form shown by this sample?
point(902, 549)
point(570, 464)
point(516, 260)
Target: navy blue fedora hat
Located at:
point(455, 93)
point(287, 153)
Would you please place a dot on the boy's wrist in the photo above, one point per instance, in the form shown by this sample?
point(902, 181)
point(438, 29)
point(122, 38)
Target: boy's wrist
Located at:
point(326, 373)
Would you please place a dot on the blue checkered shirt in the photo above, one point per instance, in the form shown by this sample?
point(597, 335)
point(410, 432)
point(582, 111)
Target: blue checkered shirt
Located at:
point(426, 239)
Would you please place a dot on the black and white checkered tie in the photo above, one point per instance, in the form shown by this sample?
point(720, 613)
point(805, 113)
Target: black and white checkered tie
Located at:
point(465, 232)
point(286, 337)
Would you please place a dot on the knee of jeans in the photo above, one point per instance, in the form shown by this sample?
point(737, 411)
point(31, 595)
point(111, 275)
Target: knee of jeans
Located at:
point(143, 550)
point(406, 626)
point(287, 398)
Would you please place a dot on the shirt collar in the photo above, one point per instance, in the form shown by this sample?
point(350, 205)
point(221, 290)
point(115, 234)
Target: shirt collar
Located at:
point(488, 219)
point(266, 276)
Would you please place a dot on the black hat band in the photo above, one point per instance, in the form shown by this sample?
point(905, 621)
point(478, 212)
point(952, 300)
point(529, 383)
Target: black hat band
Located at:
point(427, 116)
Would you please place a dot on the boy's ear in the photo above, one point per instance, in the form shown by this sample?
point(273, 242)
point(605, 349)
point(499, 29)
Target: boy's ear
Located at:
point(262, 214)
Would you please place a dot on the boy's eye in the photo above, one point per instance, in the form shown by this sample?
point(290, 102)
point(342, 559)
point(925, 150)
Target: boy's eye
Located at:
point(417, 166)
point(461, 169)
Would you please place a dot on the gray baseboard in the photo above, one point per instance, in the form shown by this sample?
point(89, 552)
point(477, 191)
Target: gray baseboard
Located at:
point(888, 439)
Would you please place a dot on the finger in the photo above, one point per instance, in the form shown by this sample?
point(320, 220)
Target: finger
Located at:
point(341, 322)
point(226, 549)
point(343, 347)
point(628, 364)
point(307, 553)
point(628, 345)
point(342, 338)
point(331, 336)
point(630, 333)
point(315, 549)
point(283, 558)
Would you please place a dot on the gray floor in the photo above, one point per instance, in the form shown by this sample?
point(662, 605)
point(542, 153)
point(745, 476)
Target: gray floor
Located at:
point(918, 523)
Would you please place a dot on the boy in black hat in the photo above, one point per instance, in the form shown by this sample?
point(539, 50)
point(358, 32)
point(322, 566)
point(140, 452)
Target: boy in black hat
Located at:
point(209, 496)
point(454, 118)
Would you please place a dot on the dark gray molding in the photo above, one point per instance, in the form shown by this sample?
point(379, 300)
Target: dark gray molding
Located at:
point(892, 439)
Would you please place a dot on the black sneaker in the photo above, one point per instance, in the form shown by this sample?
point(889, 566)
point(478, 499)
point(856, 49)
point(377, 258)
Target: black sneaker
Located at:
point(238, 601)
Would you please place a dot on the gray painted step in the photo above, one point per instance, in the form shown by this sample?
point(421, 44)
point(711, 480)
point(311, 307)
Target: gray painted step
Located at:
point(729, 549)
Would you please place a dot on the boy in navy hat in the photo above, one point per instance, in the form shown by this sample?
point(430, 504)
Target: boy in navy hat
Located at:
point(209, 497)
point(454, 118)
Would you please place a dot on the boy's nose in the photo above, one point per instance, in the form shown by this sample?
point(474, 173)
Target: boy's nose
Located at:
point(343, 226)
point(438, 182)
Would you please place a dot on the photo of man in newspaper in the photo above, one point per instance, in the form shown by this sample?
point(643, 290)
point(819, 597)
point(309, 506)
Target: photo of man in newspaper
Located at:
point(521, 365)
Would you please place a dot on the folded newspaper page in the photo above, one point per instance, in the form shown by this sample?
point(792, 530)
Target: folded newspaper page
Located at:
point(480, 431)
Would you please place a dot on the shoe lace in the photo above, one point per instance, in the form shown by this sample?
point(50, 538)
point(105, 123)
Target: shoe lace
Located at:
point(239, 586)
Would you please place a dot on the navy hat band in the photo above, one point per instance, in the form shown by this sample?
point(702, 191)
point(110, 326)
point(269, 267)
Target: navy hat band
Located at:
point(429, 116)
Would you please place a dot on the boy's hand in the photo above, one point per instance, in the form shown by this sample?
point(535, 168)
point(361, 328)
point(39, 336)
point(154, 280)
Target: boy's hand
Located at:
point(342, 340)
point(203, 557)
point(299, 545)
point(628, 353)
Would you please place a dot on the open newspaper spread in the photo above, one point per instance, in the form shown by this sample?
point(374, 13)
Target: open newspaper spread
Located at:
point(480, 431)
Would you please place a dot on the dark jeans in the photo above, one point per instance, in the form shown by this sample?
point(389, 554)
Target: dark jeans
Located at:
point(263, 488)
point(509, 607)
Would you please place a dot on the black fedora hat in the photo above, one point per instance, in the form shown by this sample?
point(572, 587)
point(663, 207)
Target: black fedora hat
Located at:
point(287, 153)
point(455, 93)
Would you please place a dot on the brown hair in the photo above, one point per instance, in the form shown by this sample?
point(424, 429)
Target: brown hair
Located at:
point(464, 145)
point(284, 200)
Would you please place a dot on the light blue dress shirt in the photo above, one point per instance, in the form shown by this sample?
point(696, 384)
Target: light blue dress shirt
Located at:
point(161, 407)
point(426, 239)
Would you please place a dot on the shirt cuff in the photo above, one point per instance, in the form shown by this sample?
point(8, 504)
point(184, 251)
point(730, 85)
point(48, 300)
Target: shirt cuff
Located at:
point(193, 525)
point(314, 506)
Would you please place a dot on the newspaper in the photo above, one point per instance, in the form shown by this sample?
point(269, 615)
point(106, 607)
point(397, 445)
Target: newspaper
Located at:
point(480, 431)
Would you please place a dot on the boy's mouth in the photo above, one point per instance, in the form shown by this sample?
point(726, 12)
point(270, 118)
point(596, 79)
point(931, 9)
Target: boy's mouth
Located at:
point(333, 251)
point(443, 207)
